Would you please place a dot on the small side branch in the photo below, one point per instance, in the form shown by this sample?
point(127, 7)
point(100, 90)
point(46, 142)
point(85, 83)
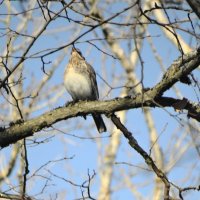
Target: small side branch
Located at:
point(134, 144)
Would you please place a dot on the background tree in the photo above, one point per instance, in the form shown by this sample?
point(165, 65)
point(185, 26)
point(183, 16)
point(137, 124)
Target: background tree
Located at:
point(146, 57)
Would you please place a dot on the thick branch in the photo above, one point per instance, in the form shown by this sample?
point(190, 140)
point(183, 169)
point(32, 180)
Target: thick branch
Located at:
point(151, 98)
point(183, 66)
point(28, 128)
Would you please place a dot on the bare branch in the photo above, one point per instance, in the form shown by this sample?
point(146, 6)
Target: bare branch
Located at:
point(28, 128)
point(133, 143)
point(23, 57)
point(182, 67)
point(195, 5)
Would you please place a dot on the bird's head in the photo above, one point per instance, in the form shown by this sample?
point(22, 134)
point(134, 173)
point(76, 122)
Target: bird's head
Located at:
point(77, 53)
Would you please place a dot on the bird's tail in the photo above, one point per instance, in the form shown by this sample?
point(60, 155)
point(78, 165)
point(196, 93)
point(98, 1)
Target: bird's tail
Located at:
point(99, 123)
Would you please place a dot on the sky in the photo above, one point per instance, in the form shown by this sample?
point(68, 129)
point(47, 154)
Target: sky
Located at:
point(82, 155)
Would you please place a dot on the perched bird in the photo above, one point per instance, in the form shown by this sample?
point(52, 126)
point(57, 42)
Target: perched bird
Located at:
point(80, 82)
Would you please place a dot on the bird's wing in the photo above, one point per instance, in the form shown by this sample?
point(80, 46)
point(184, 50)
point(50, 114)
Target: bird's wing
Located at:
point(92, 76)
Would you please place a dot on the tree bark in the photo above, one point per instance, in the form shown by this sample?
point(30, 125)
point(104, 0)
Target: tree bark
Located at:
point(195, 5)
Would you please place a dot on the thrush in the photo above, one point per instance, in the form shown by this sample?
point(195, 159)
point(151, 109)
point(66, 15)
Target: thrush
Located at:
point(80, 82)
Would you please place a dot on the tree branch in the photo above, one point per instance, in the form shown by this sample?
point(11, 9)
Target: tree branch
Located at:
point(133, 143)
point(195, 5)
point(182, 67)
point(34, 39)
point(28, 128)
point(150, 98)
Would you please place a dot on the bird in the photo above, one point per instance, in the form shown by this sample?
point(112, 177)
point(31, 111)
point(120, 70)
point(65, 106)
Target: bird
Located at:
point(80, 82)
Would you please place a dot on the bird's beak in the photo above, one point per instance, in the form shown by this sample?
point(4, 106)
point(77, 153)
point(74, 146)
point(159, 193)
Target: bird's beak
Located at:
point(73, 49)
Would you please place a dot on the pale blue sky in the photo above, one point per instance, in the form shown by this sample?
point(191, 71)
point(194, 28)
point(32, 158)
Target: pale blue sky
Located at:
point(85, 151)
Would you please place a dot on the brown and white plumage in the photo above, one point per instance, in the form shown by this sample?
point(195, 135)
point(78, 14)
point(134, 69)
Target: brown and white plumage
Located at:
point(80, 82)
